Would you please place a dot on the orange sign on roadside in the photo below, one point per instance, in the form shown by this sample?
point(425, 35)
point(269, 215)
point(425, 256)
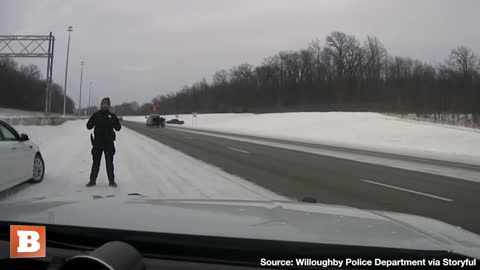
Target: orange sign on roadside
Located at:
point(27, 241)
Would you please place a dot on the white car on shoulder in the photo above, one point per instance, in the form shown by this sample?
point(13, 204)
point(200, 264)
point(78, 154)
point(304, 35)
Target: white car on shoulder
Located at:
point(20, 158)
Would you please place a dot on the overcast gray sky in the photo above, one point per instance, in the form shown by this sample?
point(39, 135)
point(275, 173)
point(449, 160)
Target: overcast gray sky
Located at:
point(135, 50)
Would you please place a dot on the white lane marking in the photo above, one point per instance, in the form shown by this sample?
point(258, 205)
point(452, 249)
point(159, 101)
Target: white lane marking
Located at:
point(461, 173)
point(238, 150)
point(408, 190)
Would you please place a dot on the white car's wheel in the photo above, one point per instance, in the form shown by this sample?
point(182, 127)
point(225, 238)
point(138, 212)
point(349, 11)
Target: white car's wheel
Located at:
point(38, 169)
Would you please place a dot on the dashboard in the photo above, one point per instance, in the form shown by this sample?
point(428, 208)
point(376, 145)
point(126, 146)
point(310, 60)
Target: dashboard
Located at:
point(111, 256)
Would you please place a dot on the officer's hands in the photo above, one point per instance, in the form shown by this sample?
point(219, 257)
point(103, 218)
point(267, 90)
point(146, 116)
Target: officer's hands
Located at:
point(113, 118)
point(115, 122)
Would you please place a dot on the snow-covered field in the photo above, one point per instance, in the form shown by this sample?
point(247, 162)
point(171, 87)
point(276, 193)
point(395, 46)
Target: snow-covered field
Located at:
point(369, 131)
point(142, 165)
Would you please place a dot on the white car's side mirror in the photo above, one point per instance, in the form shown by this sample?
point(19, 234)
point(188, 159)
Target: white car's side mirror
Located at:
point(24, 137)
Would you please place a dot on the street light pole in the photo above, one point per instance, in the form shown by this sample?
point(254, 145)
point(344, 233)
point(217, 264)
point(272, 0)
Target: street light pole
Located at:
point(70, 29)
point(90, 97)
point(93, 98)
point(81, 80)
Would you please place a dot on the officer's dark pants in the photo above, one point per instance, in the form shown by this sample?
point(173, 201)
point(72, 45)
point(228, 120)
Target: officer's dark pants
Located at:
point(98, 148)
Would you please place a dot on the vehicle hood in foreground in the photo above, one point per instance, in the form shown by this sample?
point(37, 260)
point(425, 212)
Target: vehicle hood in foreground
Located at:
point(285, 221)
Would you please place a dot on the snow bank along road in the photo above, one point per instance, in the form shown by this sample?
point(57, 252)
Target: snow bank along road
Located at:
point(299, 174)
point(142, 165)
point(7, 113)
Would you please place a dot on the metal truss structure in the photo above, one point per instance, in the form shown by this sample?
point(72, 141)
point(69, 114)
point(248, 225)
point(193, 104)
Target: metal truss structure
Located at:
point(31, 46)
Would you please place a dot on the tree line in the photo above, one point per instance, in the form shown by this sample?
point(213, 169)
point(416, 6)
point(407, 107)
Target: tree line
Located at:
point(126, 108)
point(340, 73)
point(22, 87)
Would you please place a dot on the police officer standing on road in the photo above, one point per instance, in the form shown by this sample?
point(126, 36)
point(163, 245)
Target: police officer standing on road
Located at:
point(104, 123)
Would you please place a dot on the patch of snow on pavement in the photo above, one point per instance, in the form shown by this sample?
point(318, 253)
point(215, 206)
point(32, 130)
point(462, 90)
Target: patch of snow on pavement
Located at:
point(142, 165)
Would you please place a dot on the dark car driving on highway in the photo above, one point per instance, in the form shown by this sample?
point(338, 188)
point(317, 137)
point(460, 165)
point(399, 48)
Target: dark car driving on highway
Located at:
point(175, 122)
point(155, 120)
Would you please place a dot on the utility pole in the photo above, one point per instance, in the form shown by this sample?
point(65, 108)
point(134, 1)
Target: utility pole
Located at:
point(90, 97)
point(81, 80)
point(93, 97)
point(70, 29)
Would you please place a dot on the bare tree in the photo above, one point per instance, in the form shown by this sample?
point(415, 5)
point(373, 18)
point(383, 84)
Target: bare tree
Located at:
point(463, 61)
point(220, 78)
point(317, 53)
point(307, 66)
point(31, 71)
point(337, 43)
point(7, 64)
point(347, 55)
point(242, 73)
point(355, 57)
point(375, 58)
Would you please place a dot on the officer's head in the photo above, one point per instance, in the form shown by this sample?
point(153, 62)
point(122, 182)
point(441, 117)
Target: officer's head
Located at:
point(105, 105)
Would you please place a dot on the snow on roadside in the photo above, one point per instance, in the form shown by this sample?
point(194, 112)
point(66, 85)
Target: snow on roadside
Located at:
point(369, 131)
point(12, 113)
point(142, 165)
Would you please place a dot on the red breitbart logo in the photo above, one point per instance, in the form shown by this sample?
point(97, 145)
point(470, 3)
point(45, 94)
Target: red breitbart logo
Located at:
point(27, 241)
